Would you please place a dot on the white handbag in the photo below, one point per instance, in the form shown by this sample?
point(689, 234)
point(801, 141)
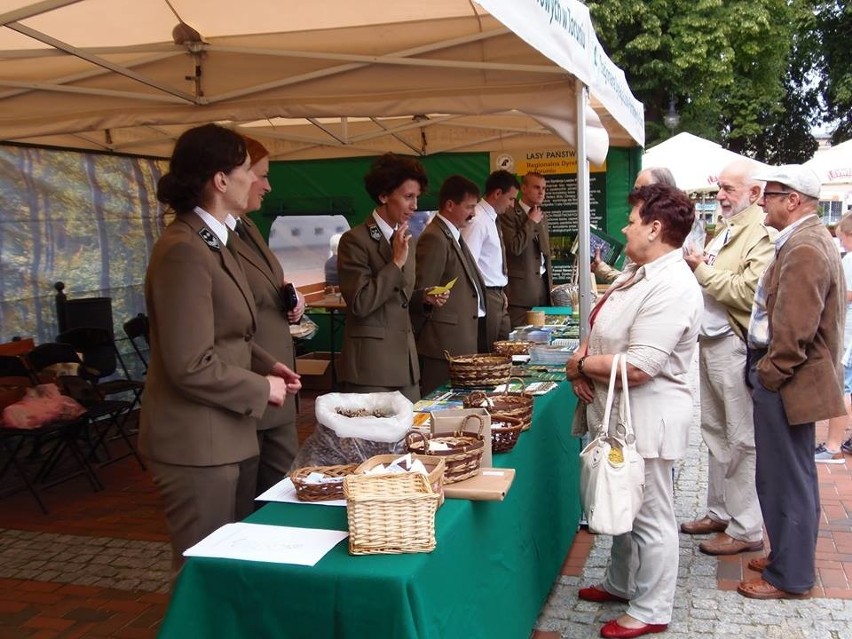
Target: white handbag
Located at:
point(612, 473)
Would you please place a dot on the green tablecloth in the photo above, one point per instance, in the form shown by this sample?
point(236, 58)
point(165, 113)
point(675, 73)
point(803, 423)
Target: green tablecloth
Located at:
point(488, 577)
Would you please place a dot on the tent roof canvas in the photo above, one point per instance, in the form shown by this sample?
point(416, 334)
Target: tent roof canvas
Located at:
point(833, 165)
point(323, 79)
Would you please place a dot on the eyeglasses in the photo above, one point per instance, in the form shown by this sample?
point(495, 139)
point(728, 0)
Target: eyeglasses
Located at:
point(781, 193)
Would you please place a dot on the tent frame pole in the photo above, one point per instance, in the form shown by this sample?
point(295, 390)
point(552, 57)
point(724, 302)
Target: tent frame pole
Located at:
point(583, 211)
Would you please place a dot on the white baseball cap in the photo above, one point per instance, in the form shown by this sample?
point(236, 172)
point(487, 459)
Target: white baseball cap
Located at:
point(795, 176)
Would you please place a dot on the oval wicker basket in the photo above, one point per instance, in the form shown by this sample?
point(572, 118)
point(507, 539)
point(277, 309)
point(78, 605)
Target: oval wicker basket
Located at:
point(321, 492)
point(434, 464)
point(478, 371)
point(505, 432)
point(507, 404)
point(464, 455)
point(509, 347)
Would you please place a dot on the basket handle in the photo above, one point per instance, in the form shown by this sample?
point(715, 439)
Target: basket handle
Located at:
point(461, 431)
point(408, 440)
point(476, 398)
point(508, 390)
point(447, 356)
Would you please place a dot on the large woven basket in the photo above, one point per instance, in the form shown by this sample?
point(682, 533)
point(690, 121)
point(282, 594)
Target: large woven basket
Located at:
point(506, 404)
point(478, 371)
point(435, 465)
point(505, 432)
point(464, 455)
point(390, 513)
point(321, 492)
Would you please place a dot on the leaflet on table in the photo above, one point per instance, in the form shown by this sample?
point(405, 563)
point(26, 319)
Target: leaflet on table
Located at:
point(271, 544)
point(452, 398)
point(533, 388)
point(284, 491)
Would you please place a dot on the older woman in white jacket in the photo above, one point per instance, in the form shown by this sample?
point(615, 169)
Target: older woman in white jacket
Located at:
point(651, 313)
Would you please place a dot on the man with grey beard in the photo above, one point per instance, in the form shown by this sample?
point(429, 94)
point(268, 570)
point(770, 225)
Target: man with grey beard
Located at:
point(728, 270)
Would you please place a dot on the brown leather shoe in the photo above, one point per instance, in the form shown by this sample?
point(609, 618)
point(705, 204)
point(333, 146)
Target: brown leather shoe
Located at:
point(758, 564)
point(703, 526)
point(724, 544)
point(761, 589)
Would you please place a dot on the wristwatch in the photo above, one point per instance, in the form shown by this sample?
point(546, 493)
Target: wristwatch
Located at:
point(580, 363)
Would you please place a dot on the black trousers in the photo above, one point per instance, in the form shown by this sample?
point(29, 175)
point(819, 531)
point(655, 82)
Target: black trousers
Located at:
point(787, 488)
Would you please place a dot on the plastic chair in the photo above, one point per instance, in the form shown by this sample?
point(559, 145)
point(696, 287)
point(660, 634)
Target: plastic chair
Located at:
point(102, 413)
point(51, 440)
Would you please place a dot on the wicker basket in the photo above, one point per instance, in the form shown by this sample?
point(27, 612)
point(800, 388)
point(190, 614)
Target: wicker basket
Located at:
point(509, 347)
point(478, 371)
point(464, 455)
point(506, 404)
point(435, 465)
point(390, 513)
point(504, 433)
point(320, 492)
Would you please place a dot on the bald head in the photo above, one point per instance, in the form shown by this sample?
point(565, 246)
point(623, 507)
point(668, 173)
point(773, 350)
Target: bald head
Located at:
point(738, 189)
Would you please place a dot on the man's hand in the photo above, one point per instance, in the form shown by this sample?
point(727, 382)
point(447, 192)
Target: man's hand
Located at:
point(535, 213)
point(277, 390)
point(694, 258)
point(296, 314)
point(437, 300)
point(400, 245)
point(596, 260)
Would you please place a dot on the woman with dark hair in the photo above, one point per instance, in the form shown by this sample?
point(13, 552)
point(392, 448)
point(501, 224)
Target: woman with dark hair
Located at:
point(651, 313)
point(276, 430)
point(208, 383)
point(376, 271)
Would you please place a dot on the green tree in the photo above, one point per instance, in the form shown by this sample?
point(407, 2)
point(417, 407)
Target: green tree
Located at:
point(834, 32)
point(725, 63)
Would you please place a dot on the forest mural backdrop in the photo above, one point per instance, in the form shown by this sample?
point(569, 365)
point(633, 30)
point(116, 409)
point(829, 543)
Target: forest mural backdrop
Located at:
point(88, 220)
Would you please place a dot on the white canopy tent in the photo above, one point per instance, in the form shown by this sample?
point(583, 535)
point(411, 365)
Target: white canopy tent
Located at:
point(323, 79)
point(694, 161)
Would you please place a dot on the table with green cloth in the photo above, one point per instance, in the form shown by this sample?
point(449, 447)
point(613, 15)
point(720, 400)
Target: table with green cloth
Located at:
point(489, 575)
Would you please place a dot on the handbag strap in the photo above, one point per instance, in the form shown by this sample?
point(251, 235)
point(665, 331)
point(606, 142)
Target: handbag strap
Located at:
point(610, 395)
point(626, 419)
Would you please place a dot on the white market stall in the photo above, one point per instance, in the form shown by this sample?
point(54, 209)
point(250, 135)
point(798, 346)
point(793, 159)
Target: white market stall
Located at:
point(834, 168)
point(312, 80)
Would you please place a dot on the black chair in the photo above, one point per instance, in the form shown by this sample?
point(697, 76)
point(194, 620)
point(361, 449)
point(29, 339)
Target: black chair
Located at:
point(49, 442)
point(101, 358)
point(136, 328)
point(103, 414)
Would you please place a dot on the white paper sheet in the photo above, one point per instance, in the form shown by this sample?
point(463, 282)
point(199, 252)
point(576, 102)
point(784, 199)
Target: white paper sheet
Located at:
point(271, 544)
point(285, 491)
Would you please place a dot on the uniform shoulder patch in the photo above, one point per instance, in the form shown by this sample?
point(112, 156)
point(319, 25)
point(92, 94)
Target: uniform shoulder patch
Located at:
point(375, 233)
point(210, 239)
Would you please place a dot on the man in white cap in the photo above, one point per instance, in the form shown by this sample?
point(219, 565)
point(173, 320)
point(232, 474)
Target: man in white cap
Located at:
point(795, 341)
point(727, 270)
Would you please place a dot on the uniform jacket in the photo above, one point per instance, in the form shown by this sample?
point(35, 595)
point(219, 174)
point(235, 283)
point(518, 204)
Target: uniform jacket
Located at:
point(732, 280)
point(453, 327)
point(806, 307)
point(265, 277)
point(202, 400)
point(378, 342)
point(525, 243)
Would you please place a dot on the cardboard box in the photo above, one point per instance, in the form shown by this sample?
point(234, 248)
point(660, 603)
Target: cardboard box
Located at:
point(315, 369)
point(490, 484)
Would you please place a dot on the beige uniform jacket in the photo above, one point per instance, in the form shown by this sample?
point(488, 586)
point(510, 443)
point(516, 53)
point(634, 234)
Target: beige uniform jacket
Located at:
point(453, 327)
point(202, 400)
point(378, 342)
point(265, 277)
point(806, 305)
point(526, 241)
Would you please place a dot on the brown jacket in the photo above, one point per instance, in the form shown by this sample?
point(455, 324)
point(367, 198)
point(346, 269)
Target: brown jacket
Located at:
point(525, 243)
point(454, 327)
point(202, 400)
point(378, 343)
point(806, 306)
point(265, 277)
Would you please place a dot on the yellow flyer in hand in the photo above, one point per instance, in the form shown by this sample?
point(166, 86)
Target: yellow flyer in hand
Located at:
point(440, 290)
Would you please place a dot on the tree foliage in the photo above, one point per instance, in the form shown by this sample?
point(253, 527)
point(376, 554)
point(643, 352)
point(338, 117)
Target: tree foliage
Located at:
point(834, 32)
point(744, 73)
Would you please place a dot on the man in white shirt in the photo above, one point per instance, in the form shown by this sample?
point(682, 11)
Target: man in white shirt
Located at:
point(484, 239)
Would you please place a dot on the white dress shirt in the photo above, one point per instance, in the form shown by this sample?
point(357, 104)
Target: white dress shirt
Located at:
point(454, 231)
point(483, 241)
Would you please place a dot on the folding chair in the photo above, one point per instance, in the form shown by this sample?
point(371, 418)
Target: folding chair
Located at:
point(102, 413)
point(53, 440)
point(136, 328)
